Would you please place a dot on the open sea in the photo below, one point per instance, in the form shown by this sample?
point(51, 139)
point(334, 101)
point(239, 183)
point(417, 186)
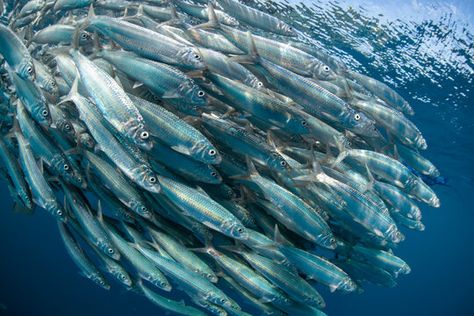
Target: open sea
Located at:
point(425, 50)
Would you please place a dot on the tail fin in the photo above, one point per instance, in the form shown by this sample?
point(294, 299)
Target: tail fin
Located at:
point(213, 22)
point(82, 27)
point(252, 57)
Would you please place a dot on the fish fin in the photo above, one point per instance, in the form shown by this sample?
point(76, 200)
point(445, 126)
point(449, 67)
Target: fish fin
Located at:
point(41, 165)
point(396, 155)
point(342, 154)
point(277, 237)
point(273, 142)
point(181, 149)
point(252, 57)
point(251, 170)
point(81, 27)
point(213, 22)
point(232, 248)
point(332, 288)
point(196, 74)
point(91, 12)
point(100, 214)
point(371, 182)
point(171, 94)
point(228, 113)
point(316, 168)
point(19, 207)
point(137, 84)
point(192, 120)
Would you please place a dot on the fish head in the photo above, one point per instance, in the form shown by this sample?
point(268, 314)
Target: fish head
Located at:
point(298, 124)
point(84, 38)
point(420, 142)
point(218, 299)
point(86, 140)
point(395, 236)
point(26, 69)
point(106, 247)
point(321, 71)
point(285, 28)
point(41, 113)
point(56, 210)
point(210, 276)
point(206, 152)
point(328, 241)
point(100, 281)
point(190, 57)
point(140, 208)
point(235, 229)
point(277, 162)
point(142, 138)
point(255, 83)
point(347, 285)
point(360, 124)
point(193, 94)
point(229, 20)
point(122, 277)
point(51, 87)
point(147, 179)
point(66, 127)
point(405, 269)
point(158, 281)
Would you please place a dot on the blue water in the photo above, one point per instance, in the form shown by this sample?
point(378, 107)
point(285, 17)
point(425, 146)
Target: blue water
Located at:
point(425, 50)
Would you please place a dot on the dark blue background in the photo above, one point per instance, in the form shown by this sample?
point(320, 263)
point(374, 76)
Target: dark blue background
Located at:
point(38, 278)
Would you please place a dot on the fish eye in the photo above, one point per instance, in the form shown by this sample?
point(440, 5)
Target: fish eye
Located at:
point(240, 230)
point(214, 174)
point(152, 180)
point(29, 69)
point(144, 135)
point(196, 56)
point(201, 93)
point(259, 84)
point(83, 35)
point(212, 152)
point(283, 163)
point(59, 212)
point(66, 167)
point(304, 123)
point(163, 284)
point(223, 300)
point(143, 208)
point(357, 117)
point(326, 68)
point(67, 127)
point(110, 250)
point(44, 113)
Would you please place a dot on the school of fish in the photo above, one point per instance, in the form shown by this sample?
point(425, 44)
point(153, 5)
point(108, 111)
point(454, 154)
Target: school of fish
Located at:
point(207, 149)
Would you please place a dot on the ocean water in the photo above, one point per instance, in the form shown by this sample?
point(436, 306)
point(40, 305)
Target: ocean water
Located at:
point(425, 50)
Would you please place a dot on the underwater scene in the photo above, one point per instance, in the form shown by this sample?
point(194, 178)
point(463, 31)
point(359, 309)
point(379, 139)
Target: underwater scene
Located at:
point(231, 157)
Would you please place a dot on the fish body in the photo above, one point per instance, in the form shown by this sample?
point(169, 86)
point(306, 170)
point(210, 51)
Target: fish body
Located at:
point(93, 231)
point(138, 172)
point(176, 133)
point(192, 169)
point(114, 104)
point(165, 81)
point(257, 18)
point(291, 283)
point(147, 43)
point(16, 54)
point(15, 173)
point(203, 208)
point(88, 269)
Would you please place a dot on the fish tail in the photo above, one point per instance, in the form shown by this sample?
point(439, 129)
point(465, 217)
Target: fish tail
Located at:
point(213, 22)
